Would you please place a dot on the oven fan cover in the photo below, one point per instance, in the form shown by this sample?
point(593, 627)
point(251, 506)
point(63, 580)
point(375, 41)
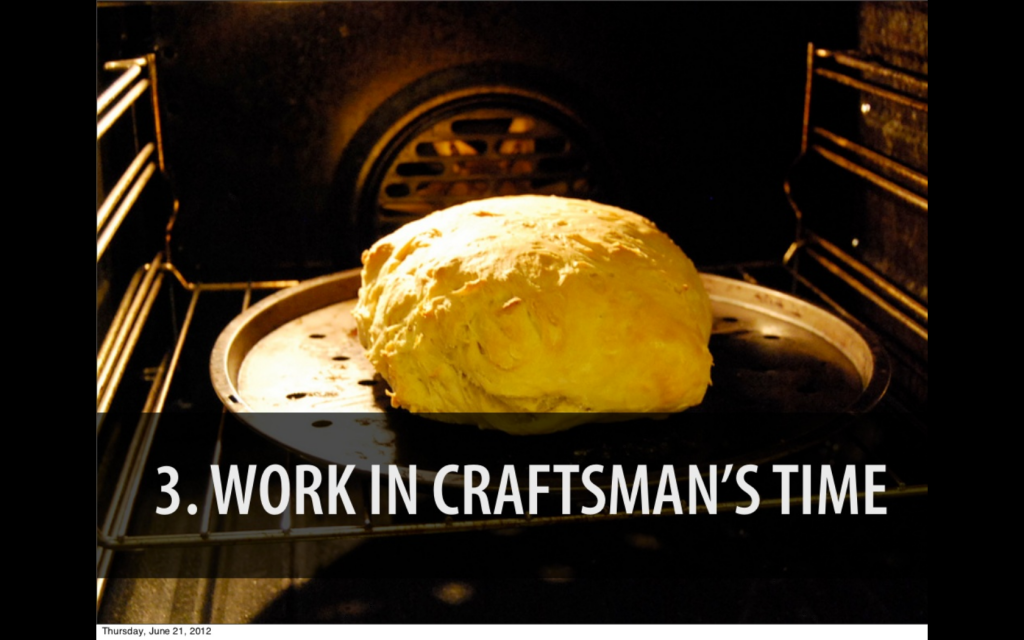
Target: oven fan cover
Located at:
point(477, 144)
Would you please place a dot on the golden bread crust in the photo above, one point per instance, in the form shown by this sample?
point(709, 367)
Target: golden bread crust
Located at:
point(535, 305)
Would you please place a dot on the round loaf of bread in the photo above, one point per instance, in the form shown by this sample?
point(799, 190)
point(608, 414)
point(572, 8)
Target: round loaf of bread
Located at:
point(533, 314)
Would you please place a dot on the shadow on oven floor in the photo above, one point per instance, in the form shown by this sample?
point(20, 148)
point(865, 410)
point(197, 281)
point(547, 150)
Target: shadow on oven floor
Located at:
point(690, 571)
point(631, 601)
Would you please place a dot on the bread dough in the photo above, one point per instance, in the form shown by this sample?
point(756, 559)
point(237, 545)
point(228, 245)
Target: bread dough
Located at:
point(533, 314)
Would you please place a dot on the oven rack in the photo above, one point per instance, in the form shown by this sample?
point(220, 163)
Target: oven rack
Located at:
point(114, 534)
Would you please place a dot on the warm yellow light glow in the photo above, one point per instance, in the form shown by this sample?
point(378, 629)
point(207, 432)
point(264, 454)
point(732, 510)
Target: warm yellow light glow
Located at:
point(865, 107)
point(453, 593)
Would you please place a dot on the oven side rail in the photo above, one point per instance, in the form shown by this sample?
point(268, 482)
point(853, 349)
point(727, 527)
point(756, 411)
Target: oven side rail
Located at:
point(869, 270)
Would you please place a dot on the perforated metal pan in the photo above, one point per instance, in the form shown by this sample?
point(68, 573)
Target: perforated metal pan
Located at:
point(786, 372)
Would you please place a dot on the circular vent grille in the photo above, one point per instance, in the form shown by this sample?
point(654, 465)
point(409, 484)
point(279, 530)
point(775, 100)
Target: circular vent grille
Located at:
point(471, 152)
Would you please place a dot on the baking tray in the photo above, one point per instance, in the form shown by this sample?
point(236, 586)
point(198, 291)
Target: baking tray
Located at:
point(786, 374)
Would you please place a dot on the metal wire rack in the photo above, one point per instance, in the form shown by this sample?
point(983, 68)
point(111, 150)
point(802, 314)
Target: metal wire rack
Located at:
point(113, 534)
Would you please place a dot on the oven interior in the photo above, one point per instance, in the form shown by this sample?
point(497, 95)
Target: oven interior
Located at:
point(243, 148)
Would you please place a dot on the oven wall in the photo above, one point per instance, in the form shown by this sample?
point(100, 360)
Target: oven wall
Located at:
point(897, 34)
point(699, 105)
